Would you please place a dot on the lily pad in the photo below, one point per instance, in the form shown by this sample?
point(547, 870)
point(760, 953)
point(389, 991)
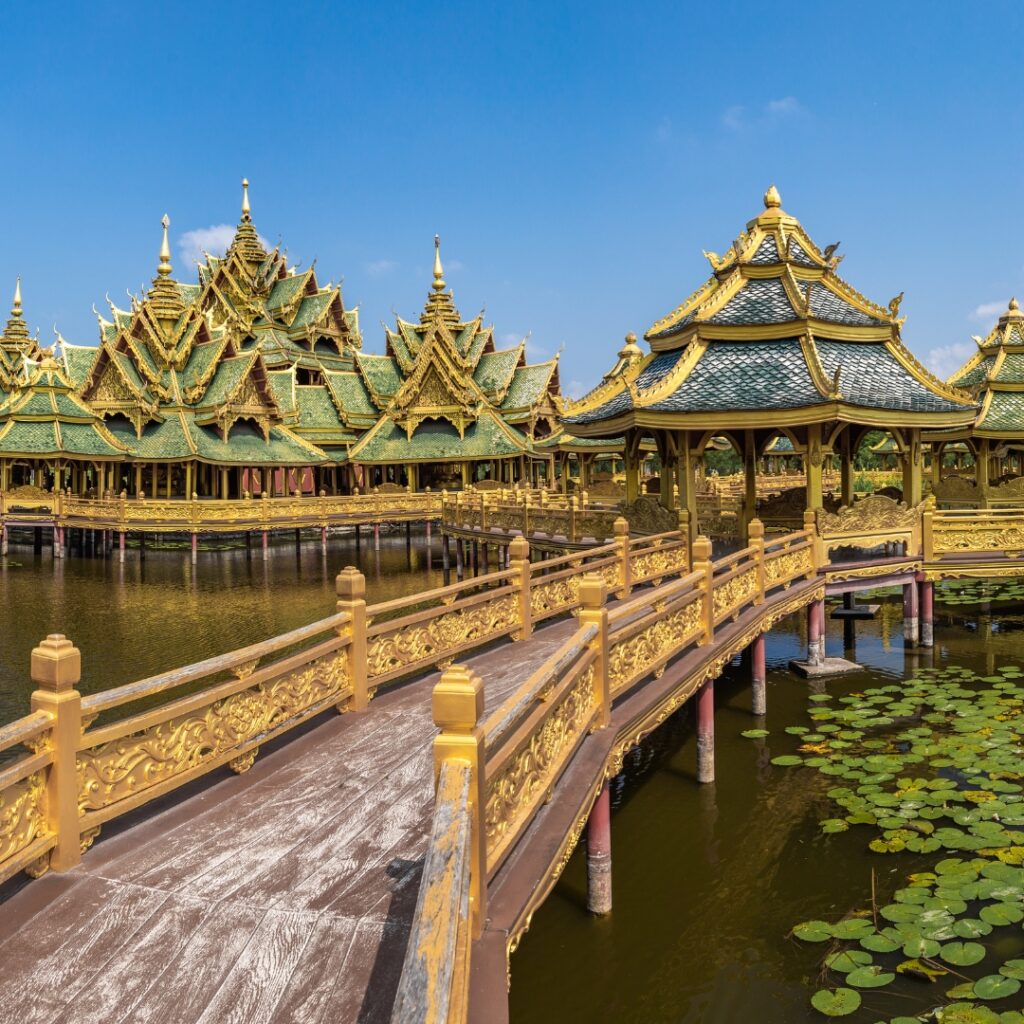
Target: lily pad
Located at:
point(992, 986)
point(754, 734)
point(813, 931)
point(1013, 969)
point(836, 1002)
point(962, 954)
point(876, 976)
point(847, 960)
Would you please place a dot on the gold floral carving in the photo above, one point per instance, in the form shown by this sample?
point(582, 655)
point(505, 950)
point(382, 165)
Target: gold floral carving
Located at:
point(21, 814)
point(550, 598)
point(524, 779)
point(991, 536)
point(435, 639)
point(781, 568)
point(658, 563)
point(735, 592)
point(869, 515)
point(131, 764)
point(241, 764)
point(631, 659)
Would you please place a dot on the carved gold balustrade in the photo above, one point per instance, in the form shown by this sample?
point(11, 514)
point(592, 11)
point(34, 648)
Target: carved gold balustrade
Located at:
point(959, 533)
point(202, 515)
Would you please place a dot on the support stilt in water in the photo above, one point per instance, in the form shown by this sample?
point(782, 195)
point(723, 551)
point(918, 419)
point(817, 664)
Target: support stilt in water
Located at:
point(248, 544)
point(298, 537)
point(446, 558)
point(376, 536)
point(927, 613)
point(357, 535)
point(3, 541)
point(911, 622)
point(428, 532)
point(759, 694)
point(266, 545)
point(120, 546)
point(458, 558)
point(599, 854)
point(408, 534)
point(483, 550)
point(323, 539)
point(816, 633)
point(56, 542)
point(142, 547)
point(706, 732)
point(37, 539)
point(195, 547)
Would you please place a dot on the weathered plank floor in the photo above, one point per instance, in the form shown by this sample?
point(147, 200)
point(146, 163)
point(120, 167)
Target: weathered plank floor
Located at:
point(285, 894)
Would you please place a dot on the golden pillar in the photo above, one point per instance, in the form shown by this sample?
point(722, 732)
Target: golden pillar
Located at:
point(687, 470)
point(912, 475)
point(749, 480)
point(813, 459)
point(632, 460)
point(846, 466)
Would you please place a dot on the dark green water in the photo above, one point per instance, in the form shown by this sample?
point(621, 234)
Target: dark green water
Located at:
point(139, 618)
point(709, 880)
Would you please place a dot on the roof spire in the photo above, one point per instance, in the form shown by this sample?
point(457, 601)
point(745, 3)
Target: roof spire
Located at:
point(438, 285)
point(246, 210)
point(164, 266)
point(16, 308)
point(772, 197)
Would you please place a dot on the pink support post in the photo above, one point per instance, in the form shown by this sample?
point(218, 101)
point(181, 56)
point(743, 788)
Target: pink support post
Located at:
point(323, 538)
point(3, 541)
point(911, 622)
point(120, 545)
point(599, 854)
point(706, 732)
point(56, 542)
point(376, 536)
point(927, 613)
point(266, 545)
point(759, 696)
point(195, 547)
point(816, 633)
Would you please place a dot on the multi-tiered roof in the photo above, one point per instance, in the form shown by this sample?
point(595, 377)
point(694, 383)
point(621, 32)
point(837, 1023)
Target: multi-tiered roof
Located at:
point(995, 376)
point(773, 337)
point(445, 393)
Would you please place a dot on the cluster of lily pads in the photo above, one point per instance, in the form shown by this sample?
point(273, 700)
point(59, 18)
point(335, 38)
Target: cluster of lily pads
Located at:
point(934, 765)
point(974, 592)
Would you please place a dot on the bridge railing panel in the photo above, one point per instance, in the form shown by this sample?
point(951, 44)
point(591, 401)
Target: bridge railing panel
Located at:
point(27, 829)
point(953, 532)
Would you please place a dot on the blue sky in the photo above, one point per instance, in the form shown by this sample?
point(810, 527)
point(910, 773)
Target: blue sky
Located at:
point(575, 158)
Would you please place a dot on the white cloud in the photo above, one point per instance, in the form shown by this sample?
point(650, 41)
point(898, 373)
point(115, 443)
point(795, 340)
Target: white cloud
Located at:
point(739, 118)
point(988, 311)
point(214, 240)
point(456, 265)
point(378, 267)
point(944, 360)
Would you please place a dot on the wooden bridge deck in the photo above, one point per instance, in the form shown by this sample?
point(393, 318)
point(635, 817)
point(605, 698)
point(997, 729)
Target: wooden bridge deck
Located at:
point(285, 894)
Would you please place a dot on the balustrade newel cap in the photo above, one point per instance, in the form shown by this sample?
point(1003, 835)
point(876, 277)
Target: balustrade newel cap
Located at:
point(457, 701)
point(56, 664)
point(350, 584)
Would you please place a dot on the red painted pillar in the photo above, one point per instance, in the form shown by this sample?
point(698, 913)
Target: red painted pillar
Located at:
point(56, 542)
point(376, 536)
point(323, 538)
point(911, 622)
point(195, 547)
point(759, 696)
point(458, 559)
point(428, 533)
point(120, 545)
point(3, 541)
point(599, 854)
point(266, 545)
point(706, 732)
point(816, 633)
point(927, 613)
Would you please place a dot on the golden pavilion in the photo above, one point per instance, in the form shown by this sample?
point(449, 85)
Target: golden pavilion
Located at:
point(774, 343)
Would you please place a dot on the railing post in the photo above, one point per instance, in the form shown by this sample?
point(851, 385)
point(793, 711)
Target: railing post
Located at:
point(351, 589)
point(755, 534)
point(927, 533)
point(818, 559)
point(621, 528)
point(526, 515)
point(574, 505)
point(457, 703)
point(702, 564)
point(519, 563)
point(592, 595)
point(56, 670)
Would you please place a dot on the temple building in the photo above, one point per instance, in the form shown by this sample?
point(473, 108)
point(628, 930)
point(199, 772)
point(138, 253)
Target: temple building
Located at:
point(773, 343)
point(453, 408)
point(254, 380)
point(994, 376)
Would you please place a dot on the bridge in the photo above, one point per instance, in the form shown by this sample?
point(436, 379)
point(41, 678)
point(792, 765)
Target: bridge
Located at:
point(384, 863)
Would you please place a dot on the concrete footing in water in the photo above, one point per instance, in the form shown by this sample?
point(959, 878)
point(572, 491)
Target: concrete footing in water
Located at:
point(825, 667)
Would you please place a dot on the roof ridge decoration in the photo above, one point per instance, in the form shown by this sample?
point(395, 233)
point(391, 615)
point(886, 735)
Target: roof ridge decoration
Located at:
point(163, 298)
point(246, 243)
point(440, 305)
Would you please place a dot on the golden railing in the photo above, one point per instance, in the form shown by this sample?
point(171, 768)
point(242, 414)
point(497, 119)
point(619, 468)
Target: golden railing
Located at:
point(957, 532)
point(517, 754)
point(121, 513)
point(136, 742)
point(574, 519)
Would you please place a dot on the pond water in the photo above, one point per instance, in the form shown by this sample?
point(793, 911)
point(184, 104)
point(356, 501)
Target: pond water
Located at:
point(137, 618)
point(709, 880)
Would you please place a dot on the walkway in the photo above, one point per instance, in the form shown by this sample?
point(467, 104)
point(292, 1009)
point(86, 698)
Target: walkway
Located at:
point(285, 894)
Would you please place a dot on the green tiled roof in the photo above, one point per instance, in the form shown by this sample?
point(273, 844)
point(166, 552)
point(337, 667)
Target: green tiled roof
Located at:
point(285, 291)
point(282, 384)
point(1012, 370)
point(350, 394)
point(199, 362)
point(381, 374)
point(494, 371)
point(975, 376)
point(1005, 413)
point(316, 408)
point(439, 441)
point(245, 446)
point(53, 438)
point(312, 308)
point(528, 385)
point(160, 440)
point(227, 378)
point(78, 360)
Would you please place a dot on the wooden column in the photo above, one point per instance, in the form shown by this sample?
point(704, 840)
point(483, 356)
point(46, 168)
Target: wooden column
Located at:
point(846, 466)
point(813, 459)
point(687, 467)
point(759, 698)
point(749, 480)
point(911, 622)
point(981, 470)
point(912, 475)
point(927, 613)
point(632, 460)
point(667, 453)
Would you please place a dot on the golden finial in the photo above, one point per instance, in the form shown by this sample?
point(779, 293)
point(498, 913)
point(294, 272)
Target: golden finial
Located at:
point(16, 308)
point(164, 266)
point(772, 197)
point(438, 272)
point(1014, 304)
point(245, 199)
